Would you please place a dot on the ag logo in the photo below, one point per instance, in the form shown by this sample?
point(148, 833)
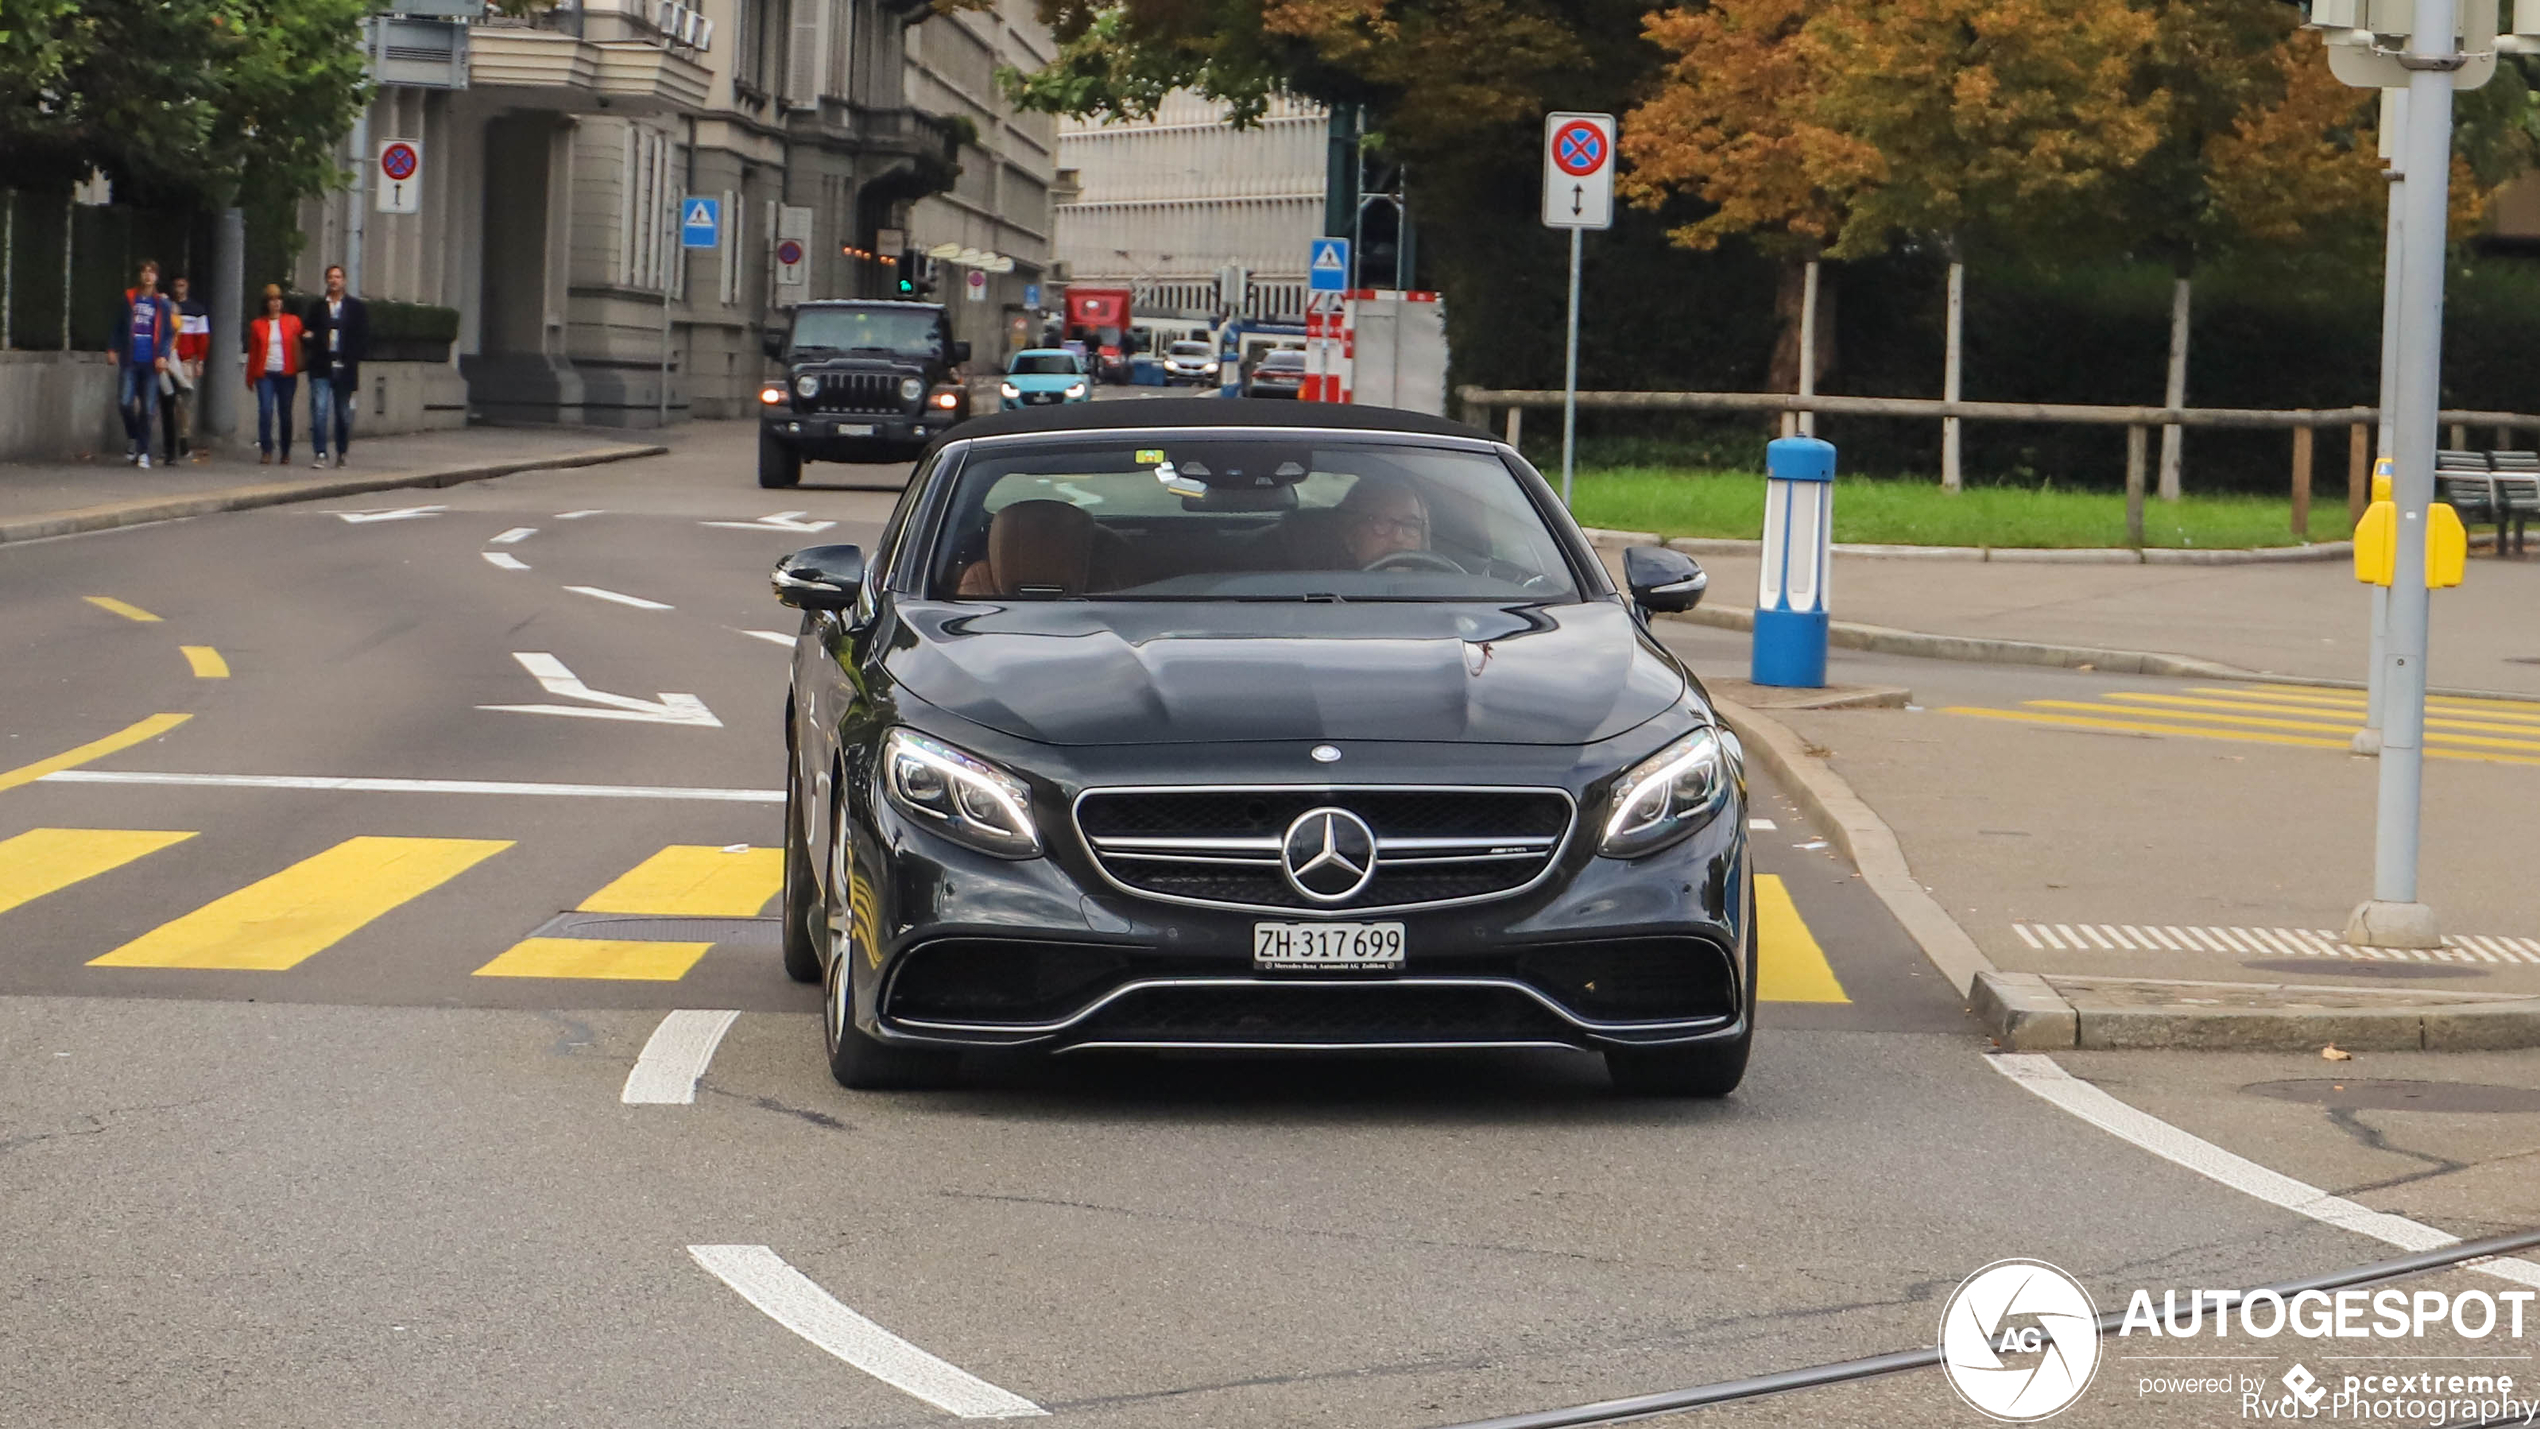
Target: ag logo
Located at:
point(2019, 1341)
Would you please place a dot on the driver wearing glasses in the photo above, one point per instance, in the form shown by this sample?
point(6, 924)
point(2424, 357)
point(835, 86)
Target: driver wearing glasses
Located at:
point(1380, 517)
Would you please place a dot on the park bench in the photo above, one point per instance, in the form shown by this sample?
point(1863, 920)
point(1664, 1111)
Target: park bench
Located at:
point(2498, 488)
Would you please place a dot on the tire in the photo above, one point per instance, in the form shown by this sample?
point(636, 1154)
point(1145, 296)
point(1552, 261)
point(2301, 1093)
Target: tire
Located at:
point(1708, 1069)
point(857, 1061)
point(800, 908)
point(778, 464)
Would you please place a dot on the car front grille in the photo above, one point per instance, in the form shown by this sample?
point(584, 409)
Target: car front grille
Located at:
point(1222, 846)
point(859, 392)
point(1320, 1013)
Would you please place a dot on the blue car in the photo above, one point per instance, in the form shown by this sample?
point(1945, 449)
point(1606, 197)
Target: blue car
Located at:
point(1044, 377)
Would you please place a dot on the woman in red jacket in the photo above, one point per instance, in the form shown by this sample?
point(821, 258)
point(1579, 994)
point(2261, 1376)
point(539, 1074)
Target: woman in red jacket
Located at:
point(273, 371)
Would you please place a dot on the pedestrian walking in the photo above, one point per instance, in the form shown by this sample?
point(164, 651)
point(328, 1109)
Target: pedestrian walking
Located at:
point(143, 338)
point(185, 373)
point(338, 328)
point(273, 373)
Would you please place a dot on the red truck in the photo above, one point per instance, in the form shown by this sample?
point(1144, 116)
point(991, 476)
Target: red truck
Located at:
point(1099, 318)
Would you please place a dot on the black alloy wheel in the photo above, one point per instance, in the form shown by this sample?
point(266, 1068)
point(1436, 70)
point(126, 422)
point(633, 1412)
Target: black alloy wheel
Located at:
point(1707, 1069)
point(778, 464)
point(800, 905)
point(857, 1060)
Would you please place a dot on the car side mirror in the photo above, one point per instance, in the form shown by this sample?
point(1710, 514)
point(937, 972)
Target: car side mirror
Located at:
point(820, 578)
point(961, 352)
point(1663, 581)
point(773, 344)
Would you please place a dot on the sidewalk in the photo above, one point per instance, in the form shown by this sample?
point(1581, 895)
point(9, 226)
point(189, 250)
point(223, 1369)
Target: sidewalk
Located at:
point(2305, 618)
point(61, 498)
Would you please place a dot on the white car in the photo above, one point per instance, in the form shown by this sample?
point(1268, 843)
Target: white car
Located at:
point(1190, 361)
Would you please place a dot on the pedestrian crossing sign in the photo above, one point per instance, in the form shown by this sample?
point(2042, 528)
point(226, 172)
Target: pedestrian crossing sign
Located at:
point(700, 222)
point(1327, 265)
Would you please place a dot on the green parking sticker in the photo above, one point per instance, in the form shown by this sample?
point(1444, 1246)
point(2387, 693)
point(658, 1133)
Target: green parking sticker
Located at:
point(1149, 456)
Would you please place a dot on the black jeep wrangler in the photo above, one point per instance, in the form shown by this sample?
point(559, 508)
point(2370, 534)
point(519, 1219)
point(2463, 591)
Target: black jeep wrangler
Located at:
point(864, 381)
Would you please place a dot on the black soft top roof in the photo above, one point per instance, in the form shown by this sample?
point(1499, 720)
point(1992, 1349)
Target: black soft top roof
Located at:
point(1155, 413)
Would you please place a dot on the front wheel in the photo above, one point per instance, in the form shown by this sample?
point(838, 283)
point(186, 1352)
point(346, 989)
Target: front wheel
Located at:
point(858, 1061)
point(778, 464)
point(801, 906)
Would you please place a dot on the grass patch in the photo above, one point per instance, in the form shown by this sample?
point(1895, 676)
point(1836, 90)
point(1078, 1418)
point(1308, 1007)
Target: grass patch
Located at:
point(1906, 512)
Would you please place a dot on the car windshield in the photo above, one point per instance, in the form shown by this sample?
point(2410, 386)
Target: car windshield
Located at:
point(1190, 349)
point(1224, 518)
point(1043, 364)
point(898, 331)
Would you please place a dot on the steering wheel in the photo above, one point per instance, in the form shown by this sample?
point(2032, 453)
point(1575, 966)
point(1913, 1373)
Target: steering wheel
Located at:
point(1415, 561)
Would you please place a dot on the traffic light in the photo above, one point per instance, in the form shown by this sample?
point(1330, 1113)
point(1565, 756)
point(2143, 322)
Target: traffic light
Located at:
point(908, 273)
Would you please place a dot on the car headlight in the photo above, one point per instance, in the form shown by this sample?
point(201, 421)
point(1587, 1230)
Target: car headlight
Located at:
point(807, 386)
point(1667, 796)
point(1008, 389)
point(1208, 367)
point(910, 389)
point(965, 798)
point(773, 396)
point(1076, 390)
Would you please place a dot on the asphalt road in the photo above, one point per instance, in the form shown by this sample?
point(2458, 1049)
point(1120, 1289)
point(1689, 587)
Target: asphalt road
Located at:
point(297, 1154)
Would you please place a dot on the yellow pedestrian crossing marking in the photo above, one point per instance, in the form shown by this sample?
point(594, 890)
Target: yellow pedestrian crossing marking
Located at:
point(620, 958)
point(207, 663)
point(695, 881)
point(126, 609)
point(42, 861)
point(278, 922)
point(1790, 967)
point(137, 733)
point(2491, 731)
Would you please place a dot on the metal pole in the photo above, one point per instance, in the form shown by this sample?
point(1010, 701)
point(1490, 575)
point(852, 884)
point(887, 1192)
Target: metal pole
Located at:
point(224, 367)
point(2394, 124)
point(8, 269)
point(1808, 345)
point(1570, 378)
point(1953, 362)
point(2174, 437)
point(2394, 918)
point(356, 203)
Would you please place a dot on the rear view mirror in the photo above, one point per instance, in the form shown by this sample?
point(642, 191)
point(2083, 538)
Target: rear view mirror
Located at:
point(961, 352)
point(1661, 580)
point(773, 344)
point(820, 578)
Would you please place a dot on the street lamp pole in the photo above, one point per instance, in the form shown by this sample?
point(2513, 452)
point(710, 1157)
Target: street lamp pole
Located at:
point(2394, 917)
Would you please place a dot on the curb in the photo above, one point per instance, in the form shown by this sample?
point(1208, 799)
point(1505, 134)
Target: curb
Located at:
point(280, 493)
point(2029, 555)
point(1888, 640)
point(1864, 838)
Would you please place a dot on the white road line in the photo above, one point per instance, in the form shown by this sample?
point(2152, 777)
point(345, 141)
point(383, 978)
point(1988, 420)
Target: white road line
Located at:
point(2049, 935)
point(416, 786)
point(2026, 936)
point(681, 1048)
point(504, 559)
point(517, 533)
point(2042, 1075)
point(772, 637)
point(1766, 825)
point(789, 1297)
point(636, 601)
point(577, 515)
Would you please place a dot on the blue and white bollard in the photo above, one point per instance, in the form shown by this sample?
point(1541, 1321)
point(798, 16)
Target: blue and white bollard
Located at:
point(1790, 599)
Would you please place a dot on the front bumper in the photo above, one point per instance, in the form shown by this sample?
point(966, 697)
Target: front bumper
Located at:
point(1046, 953)
point(846, 436)
point(1039, 399)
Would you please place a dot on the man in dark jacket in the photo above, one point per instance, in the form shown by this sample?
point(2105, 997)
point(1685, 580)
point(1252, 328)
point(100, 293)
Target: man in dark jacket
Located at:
point(144, 337)
point(338, 328)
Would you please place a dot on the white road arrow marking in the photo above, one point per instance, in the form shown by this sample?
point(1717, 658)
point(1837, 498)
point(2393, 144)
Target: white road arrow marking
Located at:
point(772, 637)
point(402, 513)
point(682, 1047)
point(578, 515)
point(636, 601)
point(517, 533)
point(552, 675)
point(780, 521)
point(504, 559)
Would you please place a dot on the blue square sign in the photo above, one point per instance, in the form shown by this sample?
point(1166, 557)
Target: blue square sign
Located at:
point(1327, 266)
point(700, 222)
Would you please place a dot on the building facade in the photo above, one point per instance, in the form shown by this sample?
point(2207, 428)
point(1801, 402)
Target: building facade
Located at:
point(556, 148)
point(1172, 207)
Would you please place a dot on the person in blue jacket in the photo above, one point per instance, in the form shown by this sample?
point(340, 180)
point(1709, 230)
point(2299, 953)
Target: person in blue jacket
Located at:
point(144, 339)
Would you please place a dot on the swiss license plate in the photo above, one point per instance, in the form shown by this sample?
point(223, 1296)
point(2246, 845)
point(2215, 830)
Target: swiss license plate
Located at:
point(1327, 945)
point(859, 429)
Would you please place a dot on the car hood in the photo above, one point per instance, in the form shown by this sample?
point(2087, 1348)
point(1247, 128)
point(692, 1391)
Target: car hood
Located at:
point(1076, 672)
point(1043, 381)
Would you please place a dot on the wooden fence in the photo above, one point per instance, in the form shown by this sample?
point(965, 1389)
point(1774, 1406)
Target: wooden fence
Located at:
point(2304, 424)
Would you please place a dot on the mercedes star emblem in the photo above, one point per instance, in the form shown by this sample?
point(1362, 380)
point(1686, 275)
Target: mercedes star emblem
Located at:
point(1325, 753)
point(1328, 855)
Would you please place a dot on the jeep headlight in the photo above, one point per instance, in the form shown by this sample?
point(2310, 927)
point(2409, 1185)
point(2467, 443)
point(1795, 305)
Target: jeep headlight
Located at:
point(911, 389)
point(1667, 796)
point(1008, 391)
point(964, 797)
point(807, 386)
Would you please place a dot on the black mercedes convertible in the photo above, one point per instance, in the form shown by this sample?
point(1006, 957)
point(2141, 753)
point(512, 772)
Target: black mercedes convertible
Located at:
point(1214, 724)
